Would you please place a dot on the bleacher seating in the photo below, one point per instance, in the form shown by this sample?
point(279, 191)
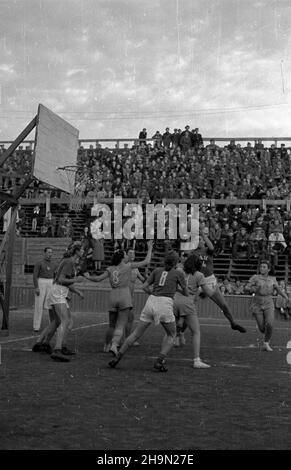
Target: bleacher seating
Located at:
point(251, 172)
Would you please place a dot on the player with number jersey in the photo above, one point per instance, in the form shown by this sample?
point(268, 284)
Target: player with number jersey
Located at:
point(158, 309)
point(135, 274)
point(185, 308)
point(262, 305)
point(61, 320)
point(205, 252)
point(120, 300)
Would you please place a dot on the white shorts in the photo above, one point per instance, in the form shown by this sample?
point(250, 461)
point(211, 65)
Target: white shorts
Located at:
point(211, 282)
point(57, 295)
point(158, 309)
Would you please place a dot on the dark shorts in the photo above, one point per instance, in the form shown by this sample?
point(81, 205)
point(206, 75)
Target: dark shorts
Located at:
point(120, 299)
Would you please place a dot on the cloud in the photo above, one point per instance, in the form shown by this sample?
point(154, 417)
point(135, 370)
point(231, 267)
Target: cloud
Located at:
point(152, 64)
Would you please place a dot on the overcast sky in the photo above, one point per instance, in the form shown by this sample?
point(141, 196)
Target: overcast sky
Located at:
point(112, 67)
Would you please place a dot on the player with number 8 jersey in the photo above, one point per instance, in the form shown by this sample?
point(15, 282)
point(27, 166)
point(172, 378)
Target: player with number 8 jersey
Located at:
point(158, 309)
point(120, 300)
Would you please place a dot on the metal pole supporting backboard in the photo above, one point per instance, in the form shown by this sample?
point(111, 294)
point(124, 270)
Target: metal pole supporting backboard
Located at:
point(9, 263)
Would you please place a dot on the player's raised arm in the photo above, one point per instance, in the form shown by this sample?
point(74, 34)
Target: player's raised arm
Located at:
point(207, 241)
point(146, 261)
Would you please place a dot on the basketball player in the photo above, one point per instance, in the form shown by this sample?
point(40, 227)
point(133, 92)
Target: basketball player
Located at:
point(57, 298)
point(205, 252)
point(120, 299)
point(262, 305)
point(158, 309)
point(135, 274)
point(185, 308)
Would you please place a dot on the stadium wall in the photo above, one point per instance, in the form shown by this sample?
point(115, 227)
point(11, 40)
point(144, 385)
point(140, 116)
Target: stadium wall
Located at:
point(96, 300)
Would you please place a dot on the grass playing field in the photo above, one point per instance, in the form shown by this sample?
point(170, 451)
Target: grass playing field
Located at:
point(241, 402)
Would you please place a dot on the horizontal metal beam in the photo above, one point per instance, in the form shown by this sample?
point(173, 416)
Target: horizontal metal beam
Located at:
point(215, 202)
point(206, 139)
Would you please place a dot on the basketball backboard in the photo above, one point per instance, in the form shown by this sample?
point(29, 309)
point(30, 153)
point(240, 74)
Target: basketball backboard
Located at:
point(56, 145)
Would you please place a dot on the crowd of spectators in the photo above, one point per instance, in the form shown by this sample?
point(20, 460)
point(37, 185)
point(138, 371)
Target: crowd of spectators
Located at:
point(247, 231)
point(173, 165)
point(178, 165)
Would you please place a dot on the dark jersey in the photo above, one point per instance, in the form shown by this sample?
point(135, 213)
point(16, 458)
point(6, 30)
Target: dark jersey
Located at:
point(66, 269)
point(206, 256)
point(165, 283)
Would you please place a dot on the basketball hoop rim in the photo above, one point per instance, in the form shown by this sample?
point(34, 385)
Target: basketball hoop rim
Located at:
point(68, 167)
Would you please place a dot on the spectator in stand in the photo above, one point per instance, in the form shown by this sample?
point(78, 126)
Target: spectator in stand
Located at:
point(226, 240)
point(97, 243)
point(244, 189)
point(167, 138)
point(213, 216)
point(228, 286)
point(48, 226)
point(142, 136)
point(231, 146)
point(281, 303)
point(238, 288)
point(186, 139)
point(273, 214)
point(275, 225)
point(158, 138)
point(235, 229)
point(175, 139)
point(20, 220)
point(85, 262)
point(259, 148)
point(224, 217)
point(36, 218)
point(234, 214)
point(258, 242)
point(65, 229)
point(197, 139)
point(212, 146)
point(277, 245)
point(215, 237)
point(247, 220)
point(241, 244)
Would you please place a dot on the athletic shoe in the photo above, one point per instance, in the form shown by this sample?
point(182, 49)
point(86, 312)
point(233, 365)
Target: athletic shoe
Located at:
point(114, 350)
point(159, 365)
point(198, 364)
point(136, 343)
point(236, 326)
point(113, 363)
point(58, 356)
point(67, 352)
point(46, 348)
point(266, 347)
point(37, 347)
point(182, 339)
point(177, 341)
point(106, 347)
point(36, 331)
